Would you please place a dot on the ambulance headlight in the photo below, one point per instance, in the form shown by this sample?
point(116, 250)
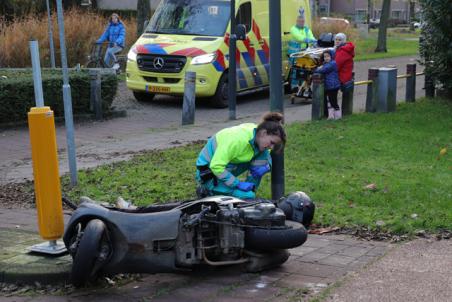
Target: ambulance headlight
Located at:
point(132, 55)
point(204, 59)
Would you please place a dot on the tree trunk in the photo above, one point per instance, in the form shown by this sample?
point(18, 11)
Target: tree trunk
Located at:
point(369, 13)
point(383, 28)
point(143, 14)
point(412, 5)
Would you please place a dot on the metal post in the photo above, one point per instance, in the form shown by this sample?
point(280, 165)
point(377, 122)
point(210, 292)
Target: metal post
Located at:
point(232, 80)
point(39, 96)
point(318, 97)
point(410, 95)
point(92, 96)
point(188, 107)
point(52, 48)
point(276, 75)
point(372, 90)
point(347, 99)
point(276, 92)
point(98, 97)
point(429, 84)
point(67, 99)
point(95, 103)
point(387, 89)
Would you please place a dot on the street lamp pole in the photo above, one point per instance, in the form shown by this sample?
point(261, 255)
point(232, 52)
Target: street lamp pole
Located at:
point(67, 99)
point(276, 92)
point(232, 80)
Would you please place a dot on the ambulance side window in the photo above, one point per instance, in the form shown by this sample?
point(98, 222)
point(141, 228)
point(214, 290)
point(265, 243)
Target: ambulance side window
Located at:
point(244, 16)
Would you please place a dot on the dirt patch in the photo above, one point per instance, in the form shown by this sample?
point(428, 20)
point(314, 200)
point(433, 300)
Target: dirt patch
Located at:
point(17, 289)
point(17, 196)
point(379, 235)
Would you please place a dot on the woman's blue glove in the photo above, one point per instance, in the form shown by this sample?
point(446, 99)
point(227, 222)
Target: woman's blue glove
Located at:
point(259, 171)
point(245, 186)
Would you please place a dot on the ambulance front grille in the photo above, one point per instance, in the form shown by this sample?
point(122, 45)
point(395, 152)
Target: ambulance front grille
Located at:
point(161, 63)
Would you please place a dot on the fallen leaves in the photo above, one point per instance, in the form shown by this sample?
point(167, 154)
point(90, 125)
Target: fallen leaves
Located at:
point(321, 231)
point(371, 187)
point(442, 152)
point(380, 223)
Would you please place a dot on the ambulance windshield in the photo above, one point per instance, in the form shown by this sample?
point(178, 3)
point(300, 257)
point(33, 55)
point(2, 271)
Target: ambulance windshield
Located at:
point(191, 17)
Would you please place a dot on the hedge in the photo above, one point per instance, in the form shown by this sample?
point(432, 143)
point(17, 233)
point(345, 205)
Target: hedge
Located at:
point(436, 42)
point(17, 92)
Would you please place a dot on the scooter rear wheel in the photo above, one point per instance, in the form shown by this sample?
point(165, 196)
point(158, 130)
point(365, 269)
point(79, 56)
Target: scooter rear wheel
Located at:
point(87, 252)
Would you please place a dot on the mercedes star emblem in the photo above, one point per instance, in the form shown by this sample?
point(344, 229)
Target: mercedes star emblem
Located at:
point(158, 63)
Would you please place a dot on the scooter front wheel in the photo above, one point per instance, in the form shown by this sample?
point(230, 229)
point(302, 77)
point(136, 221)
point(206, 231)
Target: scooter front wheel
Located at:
point(88, 252)
point(261, 239)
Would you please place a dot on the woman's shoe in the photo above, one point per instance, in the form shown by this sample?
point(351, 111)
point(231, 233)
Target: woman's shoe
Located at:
point(337, 114)
point(330, 113)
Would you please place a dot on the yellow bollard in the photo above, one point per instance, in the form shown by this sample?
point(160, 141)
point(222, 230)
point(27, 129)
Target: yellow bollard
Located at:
point(46, 174)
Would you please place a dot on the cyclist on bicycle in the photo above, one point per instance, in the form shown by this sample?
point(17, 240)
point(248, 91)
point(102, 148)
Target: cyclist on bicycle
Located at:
point(115, 34)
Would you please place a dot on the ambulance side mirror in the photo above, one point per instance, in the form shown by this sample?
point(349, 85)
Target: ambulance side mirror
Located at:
point(240, 32)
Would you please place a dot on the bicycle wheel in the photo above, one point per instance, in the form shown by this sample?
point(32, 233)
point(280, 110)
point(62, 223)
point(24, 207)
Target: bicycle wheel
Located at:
point(122, 61)
point(92, 64)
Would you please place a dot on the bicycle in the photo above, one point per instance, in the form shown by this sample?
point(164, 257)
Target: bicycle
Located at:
point(96, 58)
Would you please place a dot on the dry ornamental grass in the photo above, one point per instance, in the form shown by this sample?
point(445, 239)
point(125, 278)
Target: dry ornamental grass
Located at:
point(81, 29)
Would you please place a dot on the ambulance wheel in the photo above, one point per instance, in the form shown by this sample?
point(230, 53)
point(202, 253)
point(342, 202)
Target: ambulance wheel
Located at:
point(220, 98)
point(143, 96)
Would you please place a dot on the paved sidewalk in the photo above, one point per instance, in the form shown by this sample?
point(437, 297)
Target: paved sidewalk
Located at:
point(419, 270)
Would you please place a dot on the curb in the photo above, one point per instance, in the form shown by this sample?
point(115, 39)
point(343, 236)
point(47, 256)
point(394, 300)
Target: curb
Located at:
point(17, 265)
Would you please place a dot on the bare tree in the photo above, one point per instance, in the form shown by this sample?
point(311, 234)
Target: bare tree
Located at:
point(143, 14)
point(383, 28)
point(370, 6)
point(412, 6)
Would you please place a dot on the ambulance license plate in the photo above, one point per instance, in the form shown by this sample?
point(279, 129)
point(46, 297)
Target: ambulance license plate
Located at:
point(158, 89)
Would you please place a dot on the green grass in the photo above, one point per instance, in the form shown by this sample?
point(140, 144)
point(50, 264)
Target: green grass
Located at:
point(331, 161)
point(399, 43)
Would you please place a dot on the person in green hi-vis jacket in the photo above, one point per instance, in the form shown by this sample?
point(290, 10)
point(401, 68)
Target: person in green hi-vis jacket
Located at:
point(302, 36)
point(235, 150)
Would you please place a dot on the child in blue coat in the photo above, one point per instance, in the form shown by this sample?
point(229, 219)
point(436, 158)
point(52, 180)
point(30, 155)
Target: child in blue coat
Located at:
point(116, 35)
point(332, 84)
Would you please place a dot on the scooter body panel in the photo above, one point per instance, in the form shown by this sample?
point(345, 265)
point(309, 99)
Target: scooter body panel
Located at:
point(141, 242)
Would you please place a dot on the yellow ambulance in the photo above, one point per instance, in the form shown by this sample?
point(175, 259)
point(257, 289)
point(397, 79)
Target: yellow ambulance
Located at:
point(193, 35)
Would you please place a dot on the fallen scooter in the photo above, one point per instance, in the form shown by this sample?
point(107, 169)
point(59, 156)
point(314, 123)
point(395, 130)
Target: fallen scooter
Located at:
point(214, 231)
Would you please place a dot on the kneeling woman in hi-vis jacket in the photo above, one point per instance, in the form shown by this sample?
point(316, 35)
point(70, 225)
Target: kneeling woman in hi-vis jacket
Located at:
point(234, 150)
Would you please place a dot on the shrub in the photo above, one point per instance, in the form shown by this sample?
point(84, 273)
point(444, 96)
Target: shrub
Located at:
point(81, 27)
point(17, 92)
point(339, 27)
point(436, 45)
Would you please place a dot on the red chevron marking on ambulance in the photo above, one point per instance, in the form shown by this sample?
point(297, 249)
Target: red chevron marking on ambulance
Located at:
point(251, 50)
point(257, 32)
point(189, 52)
point(237, 52)
point(220, 59)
